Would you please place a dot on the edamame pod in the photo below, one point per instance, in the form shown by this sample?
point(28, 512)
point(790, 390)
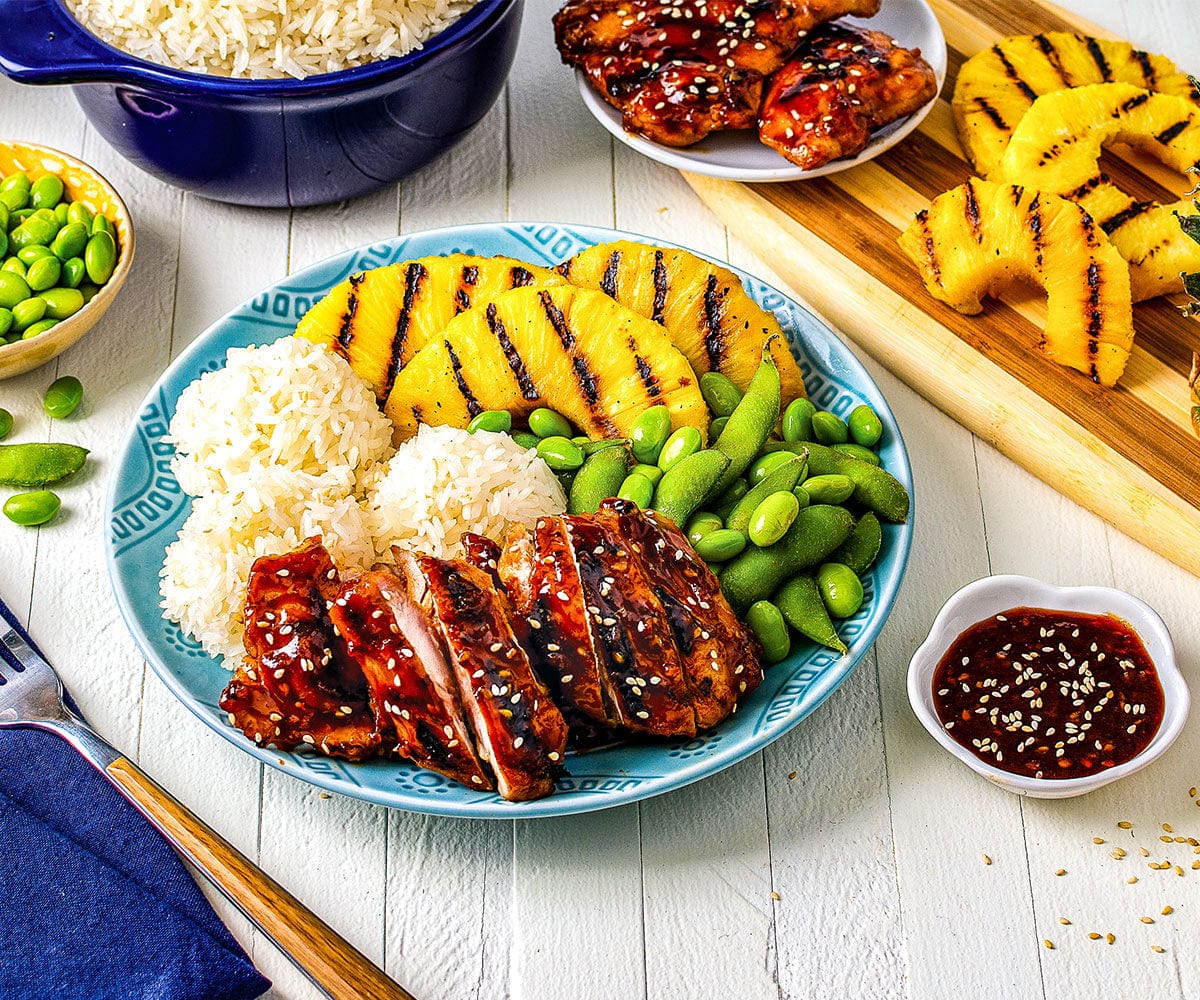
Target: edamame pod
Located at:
point(37, 464)
point(649, 433)
point(6, 423)
point(589, 447)
point(44, 273)
point(13, 289)
point(725, 503)
point(70, 242)
point(77, 211)
point(26, 313)
point(601, 476)
point(73, 272)
point(840, 589)
point(784, 477)
point(33, 230)
point(857, 451)
point(720, 545)
point(100, 257)
point(560, 453)
point(63, 397)
point(772, 518)
point(31, 509)
point(862, 546)
point(874, 487)
point(762, 467)
point(767, 622)
point(752, 421)
point(719, 392)
point(101, 224)
point(715, 428)
point(40, 327)
point(797, 420)
point(865, 426)
point(637, 488)
point(816, 532)
point(800, 602)
point(27, 255)
point(688, 483)
point(46, 191)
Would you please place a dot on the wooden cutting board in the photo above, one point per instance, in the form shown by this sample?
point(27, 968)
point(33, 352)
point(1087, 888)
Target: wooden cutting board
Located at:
point(1128, 453)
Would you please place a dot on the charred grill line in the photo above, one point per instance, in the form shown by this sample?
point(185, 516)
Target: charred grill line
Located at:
point(971, 209)
point(522, 277)
point(1011, 72)
point(992, 113)
point(645, 371)
point(346, 329)
point(1135, 102)
point(608, 281)
point(515, 363)
point(1035, 229)
point(1095, 318)
point(557, 321)
point(584, 376)
point(660, 287)
point(462, 294)
point(473, 406)
point(414, 276)
point(1093, 47)
point(1166, 135)
point(1149, 77)
point(714, 336)
point(1111, 225)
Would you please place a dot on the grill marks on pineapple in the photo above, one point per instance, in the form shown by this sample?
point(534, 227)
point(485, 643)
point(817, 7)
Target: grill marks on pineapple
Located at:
point(649, 379)
point(586, 378)
point(1112, 224)
point(971, 207)
point(462, 294)
point(346, 329)
point(1166, 135)
point(1134, 102)
point(1015, 77)
point(711, 312)
point(1035, 229)
point(515, 363)
point(659, 276)
point(414, 276)
point(473, 406)
point(608, 280)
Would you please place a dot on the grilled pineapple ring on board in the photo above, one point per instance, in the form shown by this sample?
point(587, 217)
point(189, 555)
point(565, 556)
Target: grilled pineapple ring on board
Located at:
point(981, 235)
point(996, 86)
point(711, 319)
point(1056, 148)
point(379, 319)
point(572, 349)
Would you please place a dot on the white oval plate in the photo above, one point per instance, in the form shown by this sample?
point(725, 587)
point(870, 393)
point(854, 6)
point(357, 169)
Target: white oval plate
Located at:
point(738, 155)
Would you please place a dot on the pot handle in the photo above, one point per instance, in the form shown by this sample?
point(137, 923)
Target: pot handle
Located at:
point(41, 42)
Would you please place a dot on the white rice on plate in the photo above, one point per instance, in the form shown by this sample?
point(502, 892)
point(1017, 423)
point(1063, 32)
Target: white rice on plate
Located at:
point(286, 442)
point(266, 39)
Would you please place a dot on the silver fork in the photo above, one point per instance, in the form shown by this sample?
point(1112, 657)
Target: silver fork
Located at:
point(32, 696)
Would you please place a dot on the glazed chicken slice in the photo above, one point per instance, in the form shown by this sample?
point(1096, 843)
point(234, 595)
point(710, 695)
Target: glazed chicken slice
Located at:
point(414, 697)
point(296, 684)
point(720, 657)
point(842, 83)
point(519, 730)
point(679, 69)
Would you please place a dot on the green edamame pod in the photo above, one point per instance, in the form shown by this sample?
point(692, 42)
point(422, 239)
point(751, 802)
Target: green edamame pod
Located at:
point(801, 494)
point(496, 421)
point(543, 421)
point(797, 420)
point(71, 241)
point(829, 428)
point(73, 272)
point(858, 451)
point(37, 464)
point(816, 532)
point(649, 433)
point(767, 622)
point(60, 213)
point(874, 487)
point(102, 224)
point(762, 467)
point(688, 483)
point(828, 488)
point(26, 313)
point(637, 488)
point(6, 423)
point(14, 199)
point(590, 447)
point(651, 472)
point(523, 438)
point(46, 191)
point(33, 230)
point(719, 392)
point(14, 266)
point(752, 420)
point(44, 273)
point(784, 477)
point(13, 289)
point(63, 397)
point(27, 255)
point(31, 509)
point(100, 257)
point(684, 441)
point(865, 426)
point(800, 602)
point(772, 518)
point(840, 588)
point(725, 503)
point(720, 545)
point(863, 545)
point(560, 453)
point(601, 477)
point(701, 524)
point(40, 327)
point(77, 211)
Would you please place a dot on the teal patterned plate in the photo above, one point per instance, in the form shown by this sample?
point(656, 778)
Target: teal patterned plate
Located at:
point(146, 508)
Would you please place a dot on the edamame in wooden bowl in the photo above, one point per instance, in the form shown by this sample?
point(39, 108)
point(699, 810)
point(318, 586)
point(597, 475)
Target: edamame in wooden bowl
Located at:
point(60, 269)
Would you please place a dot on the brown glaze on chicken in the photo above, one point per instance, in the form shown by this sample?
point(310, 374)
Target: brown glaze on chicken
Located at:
point(296, 685)
point(679, 69)
point(414, 696)
point(842, 83)
point(519, 731)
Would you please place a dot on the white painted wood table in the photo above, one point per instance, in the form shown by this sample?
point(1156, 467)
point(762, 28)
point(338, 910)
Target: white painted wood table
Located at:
point(862, 876)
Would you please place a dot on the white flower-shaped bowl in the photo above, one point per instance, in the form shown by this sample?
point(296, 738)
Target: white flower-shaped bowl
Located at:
point(994, 594)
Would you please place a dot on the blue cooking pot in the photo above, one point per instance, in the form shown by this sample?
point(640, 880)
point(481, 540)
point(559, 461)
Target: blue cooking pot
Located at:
point(272, 142)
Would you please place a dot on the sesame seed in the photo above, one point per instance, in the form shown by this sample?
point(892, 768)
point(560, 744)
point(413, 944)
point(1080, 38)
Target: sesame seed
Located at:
point(1168, 910)
point(1147, 920)
point(1048, 944)
point(987, 860)
point(1061, 871)
point(1094, 935)
point(1158, 949)
point(1125, 825)
point(1110, 937)
point(1064, 921)
point(1097, 840)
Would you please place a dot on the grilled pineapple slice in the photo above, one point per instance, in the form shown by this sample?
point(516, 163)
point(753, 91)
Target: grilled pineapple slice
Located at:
point(980, 236)
point(997, 86)
point(710, 317)
point(1056, 148)
point(572, 349)
point(380, 318)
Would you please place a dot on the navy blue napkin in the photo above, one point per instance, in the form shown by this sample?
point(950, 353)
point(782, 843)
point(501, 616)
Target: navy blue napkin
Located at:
point(94, 904)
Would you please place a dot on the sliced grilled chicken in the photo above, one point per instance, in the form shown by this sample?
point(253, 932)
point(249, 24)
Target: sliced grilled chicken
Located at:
point(296, 685)
point(414, 696)
point(519, 730)
point(720, 657)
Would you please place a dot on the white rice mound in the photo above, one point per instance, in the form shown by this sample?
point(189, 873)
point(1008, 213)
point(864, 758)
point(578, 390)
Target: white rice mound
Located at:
point(291, 404)
point(445, 482)
point(266, 512)
point(266, 39)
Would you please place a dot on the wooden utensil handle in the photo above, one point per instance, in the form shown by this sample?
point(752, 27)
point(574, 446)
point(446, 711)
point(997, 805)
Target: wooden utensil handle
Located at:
point(329, 961)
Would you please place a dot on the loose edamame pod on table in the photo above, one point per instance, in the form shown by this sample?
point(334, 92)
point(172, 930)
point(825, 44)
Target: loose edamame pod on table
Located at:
point(688, 483)
point(752, 420)
point(37, 463)
point(816, 532)
point(766, 621)
point(649, 433)
point(63, 397)
point(783, 477)
point(32, 509)
point(840, 588)
point(601, 477)
point(800, 603)
point(874, 487)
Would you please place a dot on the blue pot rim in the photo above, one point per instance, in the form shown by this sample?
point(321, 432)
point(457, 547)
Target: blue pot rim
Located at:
point(103, 63)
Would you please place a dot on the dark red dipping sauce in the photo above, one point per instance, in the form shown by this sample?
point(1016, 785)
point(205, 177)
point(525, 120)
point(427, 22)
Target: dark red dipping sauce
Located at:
point(1049, 694)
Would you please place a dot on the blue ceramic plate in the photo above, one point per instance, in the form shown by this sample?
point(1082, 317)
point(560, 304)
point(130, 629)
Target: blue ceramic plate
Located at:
point(146, 509)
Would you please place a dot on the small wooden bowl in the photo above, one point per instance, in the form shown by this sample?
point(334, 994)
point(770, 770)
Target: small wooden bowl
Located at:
point(84, 184)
